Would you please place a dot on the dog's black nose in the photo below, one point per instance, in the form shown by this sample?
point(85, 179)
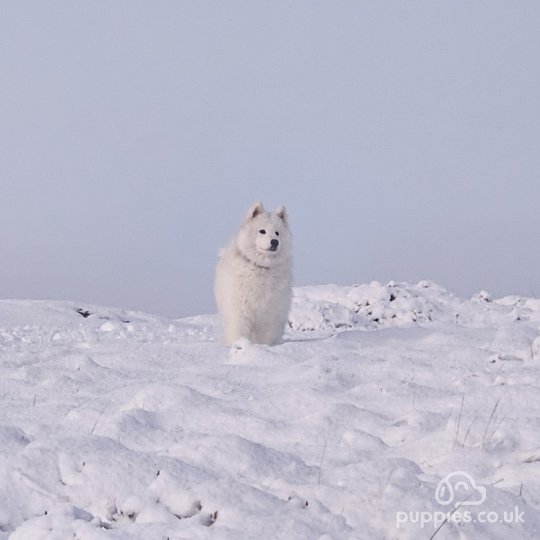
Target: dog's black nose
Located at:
point(274, 243)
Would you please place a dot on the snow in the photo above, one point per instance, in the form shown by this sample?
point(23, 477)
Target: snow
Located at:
point(122, 425)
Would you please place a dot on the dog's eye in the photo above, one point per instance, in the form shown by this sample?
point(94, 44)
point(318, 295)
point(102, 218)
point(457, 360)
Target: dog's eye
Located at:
point(262, 231)
point(277, 233)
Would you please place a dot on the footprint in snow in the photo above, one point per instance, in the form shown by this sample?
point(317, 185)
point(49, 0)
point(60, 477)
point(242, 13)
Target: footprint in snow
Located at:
point(297, 502)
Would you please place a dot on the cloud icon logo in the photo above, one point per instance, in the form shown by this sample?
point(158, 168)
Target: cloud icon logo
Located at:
point(459, 488)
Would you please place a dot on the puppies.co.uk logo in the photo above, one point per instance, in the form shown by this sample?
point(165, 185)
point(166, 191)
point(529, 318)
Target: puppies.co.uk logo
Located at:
point(460, 492)
point(460, 489)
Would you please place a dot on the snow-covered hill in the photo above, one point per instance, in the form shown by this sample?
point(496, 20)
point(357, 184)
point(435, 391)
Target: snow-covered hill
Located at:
point(121, 425)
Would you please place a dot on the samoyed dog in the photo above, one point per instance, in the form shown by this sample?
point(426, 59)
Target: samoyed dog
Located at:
point(254, 278)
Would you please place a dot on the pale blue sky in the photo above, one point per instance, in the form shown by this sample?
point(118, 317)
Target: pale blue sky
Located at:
point(403, 137)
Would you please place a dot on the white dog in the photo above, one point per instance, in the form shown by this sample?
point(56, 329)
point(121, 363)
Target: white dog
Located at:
point(254, 278)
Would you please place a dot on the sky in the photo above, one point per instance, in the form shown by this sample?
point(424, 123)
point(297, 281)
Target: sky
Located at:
point(403, 138)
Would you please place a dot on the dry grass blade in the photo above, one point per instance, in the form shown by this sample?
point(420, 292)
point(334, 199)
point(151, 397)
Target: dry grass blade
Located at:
point(488, 425)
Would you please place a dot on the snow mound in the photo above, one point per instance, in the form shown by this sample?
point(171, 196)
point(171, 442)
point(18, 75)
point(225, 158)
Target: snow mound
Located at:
point(328, 308)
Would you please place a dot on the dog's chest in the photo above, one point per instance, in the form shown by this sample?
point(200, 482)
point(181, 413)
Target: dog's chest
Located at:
point(264, 285)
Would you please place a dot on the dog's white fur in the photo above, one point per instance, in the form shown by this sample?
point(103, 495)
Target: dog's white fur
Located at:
point(253, 282)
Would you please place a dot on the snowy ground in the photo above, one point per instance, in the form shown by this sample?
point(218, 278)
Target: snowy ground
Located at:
point(120, 425)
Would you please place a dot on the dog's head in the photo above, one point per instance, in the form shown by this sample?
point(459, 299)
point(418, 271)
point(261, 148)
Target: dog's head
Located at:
point(264, 237)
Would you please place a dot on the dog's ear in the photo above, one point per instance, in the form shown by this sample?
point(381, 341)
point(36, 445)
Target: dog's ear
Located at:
point(254, 211)
point(281, 212)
